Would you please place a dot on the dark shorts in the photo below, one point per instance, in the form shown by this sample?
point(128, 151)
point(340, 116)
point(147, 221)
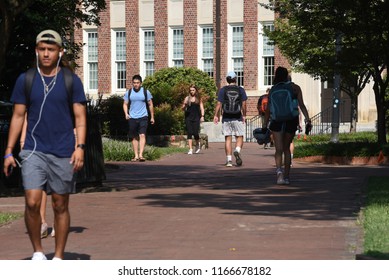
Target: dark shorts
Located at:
point(137, 127)
point(285, 126)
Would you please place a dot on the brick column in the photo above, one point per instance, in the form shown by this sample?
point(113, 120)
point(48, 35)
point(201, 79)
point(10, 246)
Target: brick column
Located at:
point(104, 51)
point(223, 40)
point(250, 42)
point(190, 33)
point(78, 38)
point(161, 30)
point(132, 40)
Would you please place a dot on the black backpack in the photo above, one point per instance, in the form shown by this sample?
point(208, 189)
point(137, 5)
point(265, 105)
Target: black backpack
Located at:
point(232, 100)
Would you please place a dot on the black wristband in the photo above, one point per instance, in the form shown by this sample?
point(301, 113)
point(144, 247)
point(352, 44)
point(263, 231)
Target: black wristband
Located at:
point(81, 146)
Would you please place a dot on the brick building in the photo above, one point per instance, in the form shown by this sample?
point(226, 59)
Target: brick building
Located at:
point(143, 36)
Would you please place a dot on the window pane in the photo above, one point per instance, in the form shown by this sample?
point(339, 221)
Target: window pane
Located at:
point(238, 68)
point(121, 45)
point(121, 75)
point(268, 49)
point(237, 41)
point(149, 66)
point(268, 70)
point(178, 47)
point(93, 75)
point(208, 66)
point(208, 42)
point(92, 46)
point(149, 45)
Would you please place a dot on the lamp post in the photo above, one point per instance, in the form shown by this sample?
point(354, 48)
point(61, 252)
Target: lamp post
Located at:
point(336, 93)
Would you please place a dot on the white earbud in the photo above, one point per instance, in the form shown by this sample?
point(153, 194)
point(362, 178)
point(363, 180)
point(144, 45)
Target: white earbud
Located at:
point(60, 55)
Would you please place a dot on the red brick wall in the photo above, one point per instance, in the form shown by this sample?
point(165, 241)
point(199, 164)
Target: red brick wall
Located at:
point(250, 29)
point(78, 37)
point(132, 40)
point(161, 34)
point(223, 39)
point(190, 33)
point(104, 52)
point(251, 105)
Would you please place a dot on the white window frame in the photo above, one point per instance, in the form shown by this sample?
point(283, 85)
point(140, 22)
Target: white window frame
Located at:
point(235, 59)
point(265, 52)
point(175, 61)
point(118, 61)
point(145, 58)
point(88, 62)
point(201, 55)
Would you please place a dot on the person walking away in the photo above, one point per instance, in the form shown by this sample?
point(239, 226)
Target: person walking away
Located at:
point(194, 114)
point(49, 157)
point(231, 101)
point(284, 120)
point(137, 106)
point(262, 104)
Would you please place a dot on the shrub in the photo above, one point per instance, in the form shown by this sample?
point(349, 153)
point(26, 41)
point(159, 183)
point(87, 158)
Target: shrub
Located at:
point(114, 124)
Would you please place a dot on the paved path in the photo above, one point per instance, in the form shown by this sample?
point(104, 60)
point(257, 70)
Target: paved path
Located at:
point(192, 207)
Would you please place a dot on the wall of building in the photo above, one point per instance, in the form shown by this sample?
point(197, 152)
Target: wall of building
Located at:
point(134, 16)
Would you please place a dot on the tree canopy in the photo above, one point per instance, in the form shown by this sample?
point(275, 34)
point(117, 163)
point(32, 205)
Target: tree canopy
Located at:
point(21, 21)
point(306, 32)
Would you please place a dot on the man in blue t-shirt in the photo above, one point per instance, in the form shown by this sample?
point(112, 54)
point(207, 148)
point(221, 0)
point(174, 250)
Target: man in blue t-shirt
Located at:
point(231, 100)
point(137, 106)
point(51, 153)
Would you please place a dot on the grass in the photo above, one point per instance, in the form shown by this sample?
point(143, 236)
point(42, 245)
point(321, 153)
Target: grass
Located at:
point(8, 217)
point(361, 144)
point(375, 217)
point(116, 150)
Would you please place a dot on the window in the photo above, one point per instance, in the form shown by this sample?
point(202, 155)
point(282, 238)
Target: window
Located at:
point(237, 53)
point(207, 50)
point(178, 47)
point(120, 59)
point(149, 43)
point(268, 57)
point(92, 60)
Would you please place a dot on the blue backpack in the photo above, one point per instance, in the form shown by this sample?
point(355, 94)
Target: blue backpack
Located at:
point(283, 103)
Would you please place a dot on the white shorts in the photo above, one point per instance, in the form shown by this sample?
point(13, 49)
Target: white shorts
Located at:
point(233, 128)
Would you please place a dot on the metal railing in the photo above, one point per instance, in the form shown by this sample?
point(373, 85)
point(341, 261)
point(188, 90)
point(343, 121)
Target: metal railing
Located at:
point(321, 123)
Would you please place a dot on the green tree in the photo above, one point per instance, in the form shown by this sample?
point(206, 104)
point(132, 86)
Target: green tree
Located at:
point(21, 21)
point(305, 33)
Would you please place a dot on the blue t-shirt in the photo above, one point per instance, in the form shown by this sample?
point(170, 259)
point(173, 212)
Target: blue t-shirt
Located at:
point(138, 105)
point(220, 97)
point(54, 133)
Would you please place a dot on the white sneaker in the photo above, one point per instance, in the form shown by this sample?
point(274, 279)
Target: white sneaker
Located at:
point(190, 152)
point(280, 178)
point(286, 181)
point(38, 256)
point(229, 163)
point(198, 149)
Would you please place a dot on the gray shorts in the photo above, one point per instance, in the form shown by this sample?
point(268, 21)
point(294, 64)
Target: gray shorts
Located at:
point(47, 172)
point(233, 128)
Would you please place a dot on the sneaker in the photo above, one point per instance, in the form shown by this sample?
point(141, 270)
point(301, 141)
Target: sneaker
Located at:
point(229, 163)
point(38, 256)
point(57, 259)
point(190, 152)
point(280, 178)
point(286, 181)
point(238, 159)
point(44, 230)
point(266, 146)
point(198, 149)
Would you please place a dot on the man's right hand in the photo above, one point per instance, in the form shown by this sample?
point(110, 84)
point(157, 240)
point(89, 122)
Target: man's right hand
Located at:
point(9, 164)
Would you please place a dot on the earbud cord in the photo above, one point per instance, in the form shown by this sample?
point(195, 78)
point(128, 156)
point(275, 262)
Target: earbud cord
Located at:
point(46, 92)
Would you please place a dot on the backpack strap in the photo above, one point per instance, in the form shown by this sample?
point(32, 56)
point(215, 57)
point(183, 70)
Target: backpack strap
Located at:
point(29, 79)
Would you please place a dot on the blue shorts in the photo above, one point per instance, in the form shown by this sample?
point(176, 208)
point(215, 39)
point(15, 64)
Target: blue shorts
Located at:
point(47, 172)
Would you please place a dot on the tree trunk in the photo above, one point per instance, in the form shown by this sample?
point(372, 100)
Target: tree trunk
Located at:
point(353, 112)
point(379, 93)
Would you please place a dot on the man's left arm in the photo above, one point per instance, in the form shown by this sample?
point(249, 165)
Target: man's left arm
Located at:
point(151, 108)
point(80, 120)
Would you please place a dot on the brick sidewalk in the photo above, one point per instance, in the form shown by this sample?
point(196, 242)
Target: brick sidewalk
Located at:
point(192, 207)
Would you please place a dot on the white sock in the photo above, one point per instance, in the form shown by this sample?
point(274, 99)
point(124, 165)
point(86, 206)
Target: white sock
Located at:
point(238, 149)
point(229, 158)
